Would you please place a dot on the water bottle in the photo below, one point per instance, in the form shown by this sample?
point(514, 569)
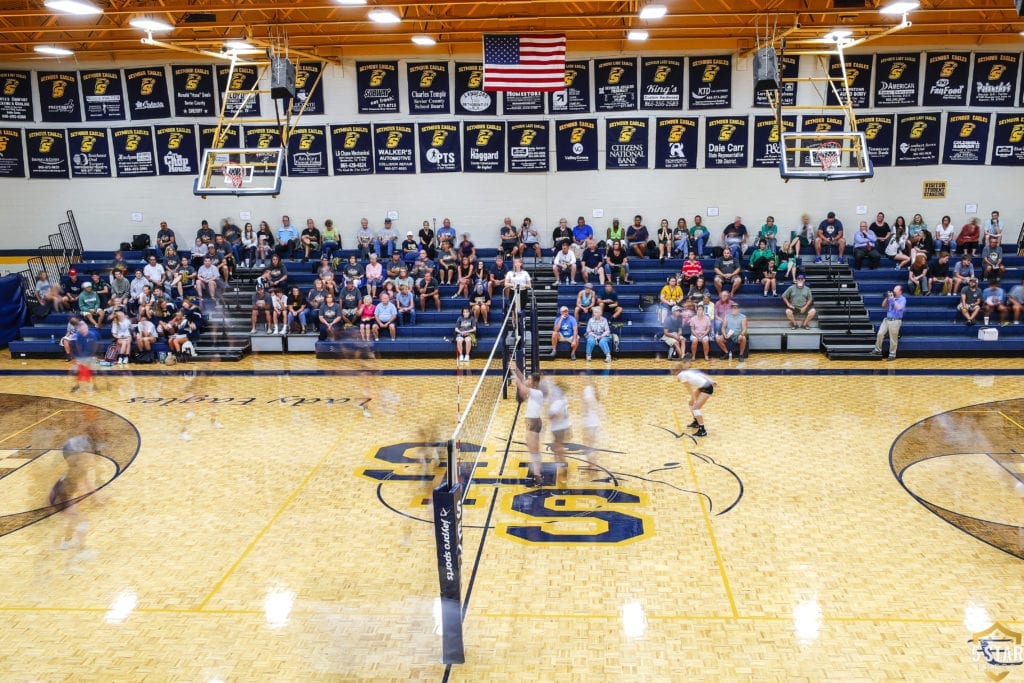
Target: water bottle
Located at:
point(53, 339)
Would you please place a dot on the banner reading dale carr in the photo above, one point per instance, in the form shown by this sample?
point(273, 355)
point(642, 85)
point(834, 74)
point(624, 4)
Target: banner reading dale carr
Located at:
point(377, 87)
point(133, 151)
point(394, 147)
point(176, 150)
point(16, 98)
point(789, 65)
point(231, 135)
point(90, 153)
point(58, 97)
point(429, 88)
point(917, 139)
point(858, 79)
point(616, 84)
point(626, 143)
point(193, 91)
point(243, 79)
point(995, 79)
point(576, 145)
point(1008, 141)
point(711, 82)
point(768, 141)
point(966, 138)
point(352, 149)
point(439, 148)
point(47, 154)
point(661, 82)
point(528, 146)
point(945, 79)
point(307, 152)
point(822, 124)
point(726, 142)
point(102, 95)
point(147, 93)
point(306, 74)
point(483, 147)
point(522, 103)
point(470, 97)
point(878, 130)
point(896, 79)
point(675, 143)
point(575, 99)
point(12, 154)
point(262, 137)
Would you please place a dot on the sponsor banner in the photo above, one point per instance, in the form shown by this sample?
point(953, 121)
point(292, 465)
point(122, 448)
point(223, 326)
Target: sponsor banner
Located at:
point(306, 74)
point(231, 136)
point(995, 79)
point(102, 95)
point(711, 82)
point(58, 96)
point(483, 147)
point(878, 131)
point(1008, 141)
point(429, 88)
point(858, 80)
point(616, 84)
point(439, 148)
point(89, 151)
point(193, 91)
point(528, 146)
point(726, 142)
point(789, 66)
point(447, 506)
point(244, 77)
point(945, 79)
point(377, 87)
point(262, 137)
point(661, 82)
point(576, 145)
point(134, 154)
point(394, 148)
point(470, 97)
point(176, 150)
point(575, 99)
point(522, 102)
point(147, 93)
point(821, 124)
point(47, 153)
point(16, 97)
point(767, 152)
point(626, 142)
point(12, 153)
point(966, 138)
point(307, 152)
point(352, 149)
point(896, 79)
point(917, 139)
point(675, 142)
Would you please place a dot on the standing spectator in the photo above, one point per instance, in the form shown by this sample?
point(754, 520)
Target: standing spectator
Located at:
point(865, 243)
point(637, 236)
point(992, 266)
point(699, 235)
point(529, 239)
point(733, 332)
point(261, 306)
point(82, 347)
point(599, 333)
point(387, 240)
point(995, 302)
point(799, 300)
point(970, 302)
point(970, 237)
point(728, 271)
point(895, 305)
point(563, 265)
point(566, 330)
point(310, 238)
point(465, 334)
point(287, 238)
point(385, 316)
point(938, 273)
point(830, 233)
point(1015, 301)
point(165, 239)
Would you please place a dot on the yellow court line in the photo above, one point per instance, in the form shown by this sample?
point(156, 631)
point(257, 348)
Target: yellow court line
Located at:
point(266, 527)
point(11, 436)
point(715, 617)
point(1010, 419)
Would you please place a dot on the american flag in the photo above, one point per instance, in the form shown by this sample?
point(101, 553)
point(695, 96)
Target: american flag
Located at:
point(526, 63)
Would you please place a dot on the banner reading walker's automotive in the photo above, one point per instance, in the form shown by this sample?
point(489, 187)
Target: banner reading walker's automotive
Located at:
point(661, 82)
point(858, 80)
point(307, 152)
point(147, 93)
point(262, 137)
point(394, 147)
point(1008, 141)
point(352, 149)
point(711, 82)
point(90, 153)
point(625, 143)
point(377, 87)
point(12, 154)
point(176, 150)
point(789, 66)
point(15, 97)
point(821, 124)
point(995, 79)
point(522, 103)
point(528, 146)
point(917, 139)
point(470, 96)
point(966, 138)
point(193, 91)
point(878, 131)
point(615, 80)
point(306, 74)
point(575, 99)
point(429, 88)
point(47, 154)
point(945, 79)
point(896, 79)
point(58, 97)
point(439, 148)
point(133, 151)
point(675, 142)
point(768, 141)
point(726, 142)
point(483, 147)
point(576, 145)
point(243, 79)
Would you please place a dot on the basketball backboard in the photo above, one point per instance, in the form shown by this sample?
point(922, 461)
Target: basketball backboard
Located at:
point(240, 171)
point(835, 155)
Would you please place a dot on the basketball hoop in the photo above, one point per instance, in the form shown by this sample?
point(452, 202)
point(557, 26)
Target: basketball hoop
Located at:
point(234, 174)
point(828, 154)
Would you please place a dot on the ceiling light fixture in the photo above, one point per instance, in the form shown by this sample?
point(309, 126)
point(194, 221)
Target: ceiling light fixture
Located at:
point(653, 12)
point(51, 50)
point(384, 16)
point(424, 40)
point(79, 7)
point(351, 2)
point(240, 47)
point(149, 24)
point(636, 35)
point(837, 35)
point(899, 7)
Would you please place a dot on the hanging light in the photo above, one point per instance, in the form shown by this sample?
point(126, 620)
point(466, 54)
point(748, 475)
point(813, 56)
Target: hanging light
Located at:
point(79, 7)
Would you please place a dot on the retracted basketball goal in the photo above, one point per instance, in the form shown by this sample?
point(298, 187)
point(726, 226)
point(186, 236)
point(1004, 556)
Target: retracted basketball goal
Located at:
point(240, 172)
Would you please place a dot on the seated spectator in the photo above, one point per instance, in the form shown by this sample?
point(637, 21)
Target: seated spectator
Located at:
point(351, 270)
point(637, 236)
point(599, 333)
point(963, 272)
point(529, 239)
point(496, 277)
point(330, 319)
point(101, 288)
point(664, 240)
point(445, 236)
point(389, 289)
point(564, 265)
point(733, 332)
point(944, 235)
point(560, 235)
point(264, 245)
point(332, 239)
point(71, 286)
point(917, 274)
point(699, 235)
point(799, 301)
point(970, 237)
point(231, 236)
point(970, 302)
point(995, 302)
point(367, 320)
point(136, 288)
point(70, 334)
point(692, 269)
point(728, 272)
point(220, 262)
point(89, 305)
point(769, 278)
point(324, 271)
point(405, 302)
point(172, 268)
point(616, 260)
point(718, 311)
point(296, 309)
point(199, 251)
point(680, 239)
point(787, 263)
point(698, 290)
point(145, 334)
point(180, 330)
point(592, 262)
point(580, 234)
point(865, 246)
point(700, 333)
point(676, 332)
point(387, 240)
point(447, 265)
point(47, 296)
point(410, 249)
point(403, 279)
point(121, 331)
point(365, 240)
point(464, 273)
point(735, 237)
point(287, 238)
point(994, 228)
point(566, 330)
point(509, 237)
point(205, 234)
point(830, 233)
point(465, 334)
point(154, 271)
point(467, 249)
point(374, 276)
point(385, 317)
point(760, 257)
point(671, 295)
point(803, 236)
point(426, 288)
point(480, 302)
point(916, 230)
point(310, 239)
point(278, 272)
point(393, 266)
point(609, 303)
point(1015, 301)
point(585, 301)
point(165, 239)
point(480, 274)
point(992, 266)
point(261, 306)
point(769, 233)
point(423, 264)
point(208, 280)
point(938, 274)
point(348, 300)
point(899, 248)
point(428, 242)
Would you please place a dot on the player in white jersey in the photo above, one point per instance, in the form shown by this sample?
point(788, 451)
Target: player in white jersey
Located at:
point(529, 391)
point(593, 415)
point(701, 387)
point(561, 428)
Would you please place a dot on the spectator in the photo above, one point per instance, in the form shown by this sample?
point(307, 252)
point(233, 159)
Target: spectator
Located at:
point(310, 239)
point(278, 272)
point(592, 261)
point(969, 238)
point(232, 237)
point(445, 236)
point(770, 233)
point(205, 234)
point(917, 274)
point(509, 237)
point(1015, 301)
point(480, 302)
point(916, 230)
point(464, 273)
point(899, 247)
point(248, 246)
point(465, 334)
point(89, 305)
point(883, 233)
point(385, 315)
point(865, 243)
point(580, 234)
point(121, 331)
point(637, 236)
point(393, 266)
point(264, 244)
point(803, 236)
point(616, 260)
point(585, 301)
point(180, 331)
point(467, 248)
point(733, 332)
point(787, 263)
point(71, 286)
point(529, 239)
point(698, 290)
point(387, 240)
point(760, 257)
point(154, 272)
point(410, 249)
point(664, 240)
point(422, 265)
point(364, 239)
point(992, 266)
point(735, 236)
point(348, 301)
point(101, 288)
point(287, 238)
point(426, 288)
point(799, 301)
point(330, 320)
point(680, 239)
point(970, 302)
point(296, 309)
point(518, 280)
point(561, 234)
point(145, 334)
point(405, 302)
point(675, 333)
point(699, 236)
point(830, 233)
point(374, 275)
point(895, 304)
point(700, 333)
point(496, 278)
point(599, 333)
point(692, 269)
point(47, 296)
point(428, 241)
point(564, 265)
point(261, 305)
point(566, 330)
point(727, 271)
point(995, 302)
point(138, 283)
point(208, 279)
point(615, 232)
point(938, 273)
point(447, 265)
point(944, 235)
point(70, 332)
point(994, 228)
point(165, 239)
point(671, 295)
point(609, 303)
point(718, 311)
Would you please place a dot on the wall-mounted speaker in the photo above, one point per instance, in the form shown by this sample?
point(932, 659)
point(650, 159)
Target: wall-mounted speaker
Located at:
point(766, 69)
point(282, 78)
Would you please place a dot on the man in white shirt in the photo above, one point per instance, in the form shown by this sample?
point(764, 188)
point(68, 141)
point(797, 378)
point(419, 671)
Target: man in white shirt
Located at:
point(207, 279)
point(154, 272)
point(564, 264)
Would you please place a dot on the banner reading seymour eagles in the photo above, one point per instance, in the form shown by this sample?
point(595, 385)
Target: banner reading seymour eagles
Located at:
point(789, 65)
point(858, 79)
point(12, 154)
point(768, 141)
point(263, 137)
point(377, 87)
point(47, 154)
point(352, 146)
point(1008, 141)
point(394, 147)
point(711, 82)
point(133, 151)
point(625, 143)
point(306, 74)
point(307, 151)
point(429, 88)
point(58, 97)
point(896, 78)
point(917, 139)
point(193, 91)
point(243, 79)
point(616, 84)
point(147, 93)
point(576, 145)
point(661, 82)
point(966, 138)
point(90, 153)
point(15, 97)
point(483, 147)
point(822, 124)
point(439, 148)
point(726, 142)
point(102, 95)
point(470, 96)
point(945, 79)
point(575, 99)
point(176, 150)
point(675, 143)
point(878, 130)
point(528, 146)
point(995, 80)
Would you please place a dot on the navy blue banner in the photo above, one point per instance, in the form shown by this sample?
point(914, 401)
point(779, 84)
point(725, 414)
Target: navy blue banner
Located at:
point(879, 130)
point(995, 79)
point(58, 95)
point(377, 87)
point(945, 79)
point(966, 138)
point(231, 136)
point(858, 80)
point(193, 91)
point(47, 154)
point(176, 150)
point(522, 103)
point(147, 93)
point(262, 137)
point(768, 141)
point(102, 95)
point(134, 154)
point(917, 139)
point(430, 89)
point(307, 152)
point(352, 149)
point(483, 148)
point(394, 147)
point(675, 142)
point(90, 153)
point(711, 82)
point(1008, 141)
point(243, 79)
point(306, 75)
point(447, 505)
point(896, 79)
point(626, 143)
point(16, 96)
point(12, 153)
point(575, 99)
point(789, 66)
point(661, 82)
point(726, 142)
point(439, 148)
point(616, 83)
point(820, 124)
point(528, 146)
point(576, 145)
point(470, 97)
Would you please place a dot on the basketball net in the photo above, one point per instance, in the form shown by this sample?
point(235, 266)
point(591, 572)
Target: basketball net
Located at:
point(234, 174)
point(828, 154)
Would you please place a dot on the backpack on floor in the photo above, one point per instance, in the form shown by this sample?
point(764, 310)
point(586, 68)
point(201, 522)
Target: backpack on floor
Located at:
point(111, 353)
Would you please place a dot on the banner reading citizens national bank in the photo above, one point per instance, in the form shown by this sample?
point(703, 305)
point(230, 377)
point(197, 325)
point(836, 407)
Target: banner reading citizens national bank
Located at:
point(626, 143)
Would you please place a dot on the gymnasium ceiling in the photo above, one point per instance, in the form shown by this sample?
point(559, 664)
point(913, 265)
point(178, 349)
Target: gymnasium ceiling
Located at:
point(334, 31)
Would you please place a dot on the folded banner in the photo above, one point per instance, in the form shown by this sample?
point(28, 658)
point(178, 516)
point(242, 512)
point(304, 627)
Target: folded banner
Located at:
point(531, 63)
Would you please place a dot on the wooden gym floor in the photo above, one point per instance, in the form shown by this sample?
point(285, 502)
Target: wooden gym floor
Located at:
point(841, 522)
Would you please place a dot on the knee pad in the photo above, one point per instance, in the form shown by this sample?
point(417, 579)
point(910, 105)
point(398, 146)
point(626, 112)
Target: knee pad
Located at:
point(696, 412)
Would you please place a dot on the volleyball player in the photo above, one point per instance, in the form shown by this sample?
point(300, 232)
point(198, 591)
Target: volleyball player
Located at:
point(83, 349)
point(593, 415)
point(77, 482)
point(701, 388)
point(529, 391)
point(561, 429)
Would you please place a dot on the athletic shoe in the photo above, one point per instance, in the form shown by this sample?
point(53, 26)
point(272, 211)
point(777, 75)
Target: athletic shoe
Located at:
point(534, 482)
point(891, 358)
point(877, 351)
point(252, 331)
point(588, 356)
point(693, 425)
point(817, 259)
point(730, 355)
point(607, 359)
point(69, 543)
point(573, 356)
point(701, 432)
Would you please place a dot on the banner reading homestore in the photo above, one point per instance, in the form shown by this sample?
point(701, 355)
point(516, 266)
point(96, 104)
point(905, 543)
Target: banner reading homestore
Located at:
point(483, 147)
point(625, 143)
point(675, 142)
point(528, 146)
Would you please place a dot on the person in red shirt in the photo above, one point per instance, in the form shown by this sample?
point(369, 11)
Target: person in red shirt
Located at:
point(692, 269)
